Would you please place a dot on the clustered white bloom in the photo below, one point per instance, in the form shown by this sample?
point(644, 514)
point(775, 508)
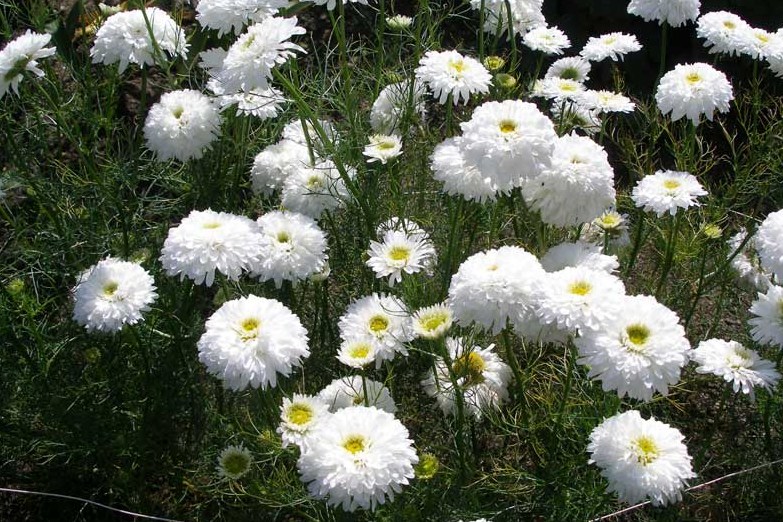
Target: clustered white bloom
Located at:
point(548, 40)
point(232, 15)
point(20, 55)
point(769, 243)
point(767, 325)
point(740, 366)
point(399, 251)
point(382, 320)
point(353, 390)
point(666, 191)
point(299, 416)
point(692, 90)
point(723, 31)
point(572, 68)
point(579, 253)
point(525, 15)
point(672, 12)
point(432, 322)
point(605, 101)
point(612, 45)
point(747, 262)
point(383, 148)
point(449, 73)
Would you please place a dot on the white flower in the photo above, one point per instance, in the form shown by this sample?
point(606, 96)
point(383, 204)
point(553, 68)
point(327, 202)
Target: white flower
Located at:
point(263, 104)
point(578, 253)
point(357, 458)
point(330, 4)
point(292, 246)
point(578, 299)
point(432, 322)
point(508, 142)
point(493, 287)
point(481, 375)
point(399, 22)
point(383, 147)
point(273, 165)
point(736, 364)
point(525, 15)
point(666, 191)
point(692, 90)
point(747, 262)
point(611, 227)
point(400, 252)
point(761, 45)
point(569, 68)
point(548, 40)
point(234, 462)
point(295, 131)
point(249, 61)
point(231, 15)
point(559, 89)
point(138, 37)
point(578, 185)
point(767, 325)
point(111, 294)
point(672, 12)
point(605, 101)
point(459, 176)
point(392, 102)
point(611, 45)
point(641, 458)
point(769, 243)
point(356, 353)
point(349, 391)
point(249, 340)
point(637, 351)
point(722, 31)
point(182, 125)
point(20, 55)
point(775, 61)
point(449, 73)
point(574, 115)
point(206, 241)
point(310, 190)
point(299, 416)
point(382, 320)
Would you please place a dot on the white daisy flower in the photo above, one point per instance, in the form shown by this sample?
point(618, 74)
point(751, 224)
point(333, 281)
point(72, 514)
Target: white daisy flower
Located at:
point(722, 31)
point(525, 15)
point(234, 462)
point(357, 458)
point(232, 15)
point(775, 61)
point(449, 73)
point(273, 165)
point(692, 90)
point(573, 68)
point(578, 253)
point(666, 191)
point(432, 322)
point(760, 44)
point(111, 294)
point(206, 241)
point(349, 391)
point(182, 125)
point(357, 353)
point(138, 37)
point(558, 89)
point(673, 12)
point(740, 366)
point(312, 190)
point(460, 177)
point(22, 54)
point(263, 104)
point(481, 375)
point(292, 246)
point(747, 263)
point(611, 45)
point(605, 101)
point(641, 459)
point(383, 147)
point(638, 351)
point(295, 131)
point(382, 320)
point(548, 40)
point(392, 102)
point(249, 340)
point(400, 252)
point(299, 416)
point(767, 325)
point(399, 22)
point(769, 243)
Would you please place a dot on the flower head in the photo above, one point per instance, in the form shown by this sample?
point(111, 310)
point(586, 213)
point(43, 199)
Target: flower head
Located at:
point(578, 253)
point(666, 191)
point(399, 252)
point(769, 243)
point(548, 40)
point(449, 73)
point(641, 458)
point(312, 189)
point(740, 366)
point(299, 416)
point(20, 55)
point(111, 294)
point(459, 175)
point(357, 353)
point(767, 325)
point(723, 32)
point(605, 101)
point(381, 320)
point(573, 68)
point(273, 165)
point(432, 322)
point(389, 107)
point(350, 391)
point(672, 12)
point(383, 147)
point(231, 15)
point(234, 462)
point(692, 90)
point(399, 22)
point(612, 45)
point(747, 262)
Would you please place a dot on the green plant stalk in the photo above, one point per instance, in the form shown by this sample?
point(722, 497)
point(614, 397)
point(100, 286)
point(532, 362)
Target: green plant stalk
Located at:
point(699, 290)
point(570, 363)
point(459, 403)
point(671, 243)
point(664, 42)
point(637, 244)
point(511, 37)
point(513, 362)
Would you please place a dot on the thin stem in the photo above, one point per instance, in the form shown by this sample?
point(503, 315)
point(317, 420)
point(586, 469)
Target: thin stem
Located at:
point(637, 244)
point(513, 362)
point(664, 41)
point(674, 227)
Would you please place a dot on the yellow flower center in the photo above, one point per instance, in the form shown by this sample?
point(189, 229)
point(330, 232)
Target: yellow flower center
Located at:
point(693, 77)
point(763, 38)
point(378, 324)
point(470, 366)
point(300, 414)
point(610, 221)
point(507, 126)
point(637, 335)
point(359, 350)
point(567, 87)
point(434, 321)
point(399, 253)
point(457, 66)
point(314, 182)
point(728, 24)
point(283, 237)
point(646, 450)
point(580, 288)
point(354, 444)
point(210, 225)
point(249, 329)
point(109, 288)
point(385, 145)
point(609, 40)
point(492, 267)
point(671, 184)
point(178, 112)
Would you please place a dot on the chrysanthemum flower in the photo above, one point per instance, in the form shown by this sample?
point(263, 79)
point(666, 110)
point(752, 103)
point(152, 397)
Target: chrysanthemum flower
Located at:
point(610, 226)
point(740, 366)
point(449, 73)
point(578, 299)
point(231, 15)
point(577, 186)
point(249, 340)
point(400, 252)
point(20, 55)
point(234, 462)
point(273, 165)
point(769, 243)
point(357, 458)
point(760, 44)
point(111, 294)
point(357, 353)
point(569, 68)
point(578, 253)
point(310, 137)
point(525, 15)
point(331, 4)
point(182, 125)
point(249, 61)
point(349, 391)
point(558, 89)
point(692, 90)
point(672, 12)
point(393, 100)
point(666, 191)
point(481, 375)
point(722, 31)
point(641, 458)
point(493, 287)
point(299, 416)
point(459, 175)
point(383, 147)
point(548, 40)
point(310, 190)
point(605, 101)
point(138, 37)
point(399, 22)
point(747, 263)
point(292, 246)
point(612, 45)
point(767, 325)
point(381, 320)
point(637, 351)
point(775, 61)
point(206, 241)
point(432, 322)
point(259, 103)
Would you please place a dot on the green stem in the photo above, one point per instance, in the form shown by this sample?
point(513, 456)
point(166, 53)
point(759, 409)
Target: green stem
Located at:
point(671, 242)
point(664, 41)
point(459, 403)
point(570, 362)
point(699, 290)
point(637, 244)
point(514, 363)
